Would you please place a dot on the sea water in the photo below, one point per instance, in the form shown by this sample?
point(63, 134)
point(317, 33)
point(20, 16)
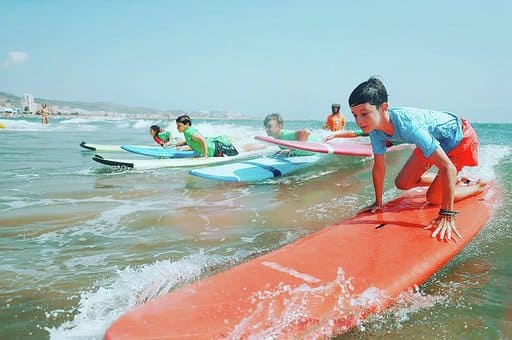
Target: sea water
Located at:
point(82, 243)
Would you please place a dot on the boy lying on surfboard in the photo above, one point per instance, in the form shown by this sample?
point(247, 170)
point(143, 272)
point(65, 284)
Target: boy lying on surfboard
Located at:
point(219, 146)
point(442, 139)
point(274, 127)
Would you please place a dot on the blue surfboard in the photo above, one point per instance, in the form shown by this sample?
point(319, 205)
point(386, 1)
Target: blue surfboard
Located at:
point(159, 152)
point(256, 169)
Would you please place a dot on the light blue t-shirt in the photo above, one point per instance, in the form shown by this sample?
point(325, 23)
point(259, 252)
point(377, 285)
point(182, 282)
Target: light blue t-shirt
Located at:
point(427, 129)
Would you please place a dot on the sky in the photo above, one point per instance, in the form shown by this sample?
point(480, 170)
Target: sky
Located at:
point(258, 57)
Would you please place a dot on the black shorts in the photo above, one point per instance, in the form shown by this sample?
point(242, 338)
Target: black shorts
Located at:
point(222, 149)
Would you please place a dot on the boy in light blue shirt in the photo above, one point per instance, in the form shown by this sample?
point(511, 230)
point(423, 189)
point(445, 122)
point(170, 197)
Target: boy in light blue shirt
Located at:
point(442, 138)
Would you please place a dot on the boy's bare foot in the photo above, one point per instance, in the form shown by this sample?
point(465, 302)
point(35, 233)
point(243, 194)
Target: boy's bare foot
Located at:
point(481, 183)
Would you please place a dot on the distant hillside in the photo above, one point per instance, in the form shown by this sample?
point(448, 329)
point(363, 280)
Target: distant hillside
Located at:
point(10, 100)
point(96, 106)
point(7, 97)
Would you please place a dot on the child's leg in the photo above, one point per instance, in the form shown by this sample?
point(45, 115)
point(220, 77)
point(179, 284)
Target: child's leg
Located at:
point(413, 173)
point(222, 149)
point(435, 194)
point(254, 146)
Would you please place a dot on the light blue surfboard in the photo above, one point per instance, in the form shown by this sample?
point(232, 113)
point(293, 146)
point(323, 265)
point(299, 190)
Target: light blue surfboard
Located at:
point(159, 151)
point(256, 169)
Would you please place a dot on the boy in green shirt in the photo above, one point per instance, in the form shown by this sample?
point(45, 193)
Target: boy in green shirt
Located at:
point(274, 127)
point(205, 146)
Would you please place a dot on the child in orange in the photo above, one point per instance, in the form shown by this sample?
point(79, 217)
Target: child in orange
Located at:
point(335, 121)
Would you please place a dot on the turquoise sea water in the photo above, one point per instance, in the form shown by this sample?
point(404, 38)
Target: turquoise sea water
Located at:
point(82, 243)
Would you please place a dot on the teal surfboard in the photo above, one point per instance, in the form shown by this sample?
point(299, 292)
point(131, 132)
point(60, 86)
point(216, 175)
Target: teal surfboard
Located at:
point(256, 169)
point(160, 152)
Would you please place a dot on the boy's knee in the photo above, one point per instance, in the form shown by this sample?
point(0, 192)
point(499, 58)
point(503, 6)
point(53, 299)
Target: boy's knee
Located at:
point(401, 184)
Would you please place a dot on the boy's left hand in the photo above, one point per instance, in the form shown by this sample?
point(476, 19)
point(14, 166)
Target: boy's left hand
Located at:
point(445, 227)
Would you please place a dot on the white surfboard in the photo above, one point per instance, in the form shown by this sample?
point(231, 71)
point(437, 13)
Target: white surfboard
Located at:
point(142, 164)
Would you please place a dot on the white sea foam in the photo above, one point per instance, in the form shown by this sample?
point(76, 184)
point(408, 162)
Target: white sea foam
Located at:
point(285, 311)
point(81, 121)
point(98, 308)
point(143, 124)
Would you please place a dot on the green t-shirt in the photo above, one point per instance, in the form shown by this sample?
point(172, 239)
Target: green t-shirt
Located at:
point(292, 135)
point(196, 145)
point(210, 145)
point(165, 136)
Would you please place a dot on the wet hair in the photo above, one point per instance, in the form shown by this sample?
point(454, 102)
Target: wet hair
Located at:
point(371, 91)
point(184, 119)
point(273, 116)
point(155, 128)
point(336, 108)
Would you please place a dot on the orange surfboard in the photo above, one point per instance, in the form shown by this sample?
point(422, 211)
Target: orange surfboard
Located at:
point(320, 285)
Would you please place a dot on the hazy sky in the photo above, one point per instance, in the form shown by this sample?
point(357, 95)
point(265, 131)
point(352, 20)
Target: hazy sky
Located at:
point(258, 57)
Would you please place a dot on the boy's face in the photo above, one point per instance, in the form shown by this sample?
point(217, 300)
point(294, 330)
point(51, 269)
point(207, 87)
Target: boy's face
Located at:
point(181, 127)
point(367, 116)
point(273, 128)
point(152, 132)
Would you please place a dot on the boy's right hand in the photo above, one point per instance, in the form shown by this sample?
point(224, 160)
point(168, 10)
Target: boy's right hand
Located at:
point(371, 208)
point(328, 138)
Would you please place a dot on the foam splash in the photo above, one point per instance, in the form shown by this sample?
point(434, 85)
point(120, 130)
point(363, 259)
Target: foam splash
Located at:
point(97, 309)
point(288, 311)
point(407, 304)
point(489, 156)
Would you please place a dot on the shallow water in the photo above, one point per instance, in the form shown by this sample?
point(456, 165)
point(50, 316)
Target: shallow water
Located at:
point(82, 243)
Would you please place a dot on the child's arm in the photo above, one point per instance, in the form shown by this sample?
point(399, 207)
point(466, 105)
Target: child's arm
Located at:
point(199, 138)
point(448, 175)
point(302, 135)
point(378, 174)
point(344, 134)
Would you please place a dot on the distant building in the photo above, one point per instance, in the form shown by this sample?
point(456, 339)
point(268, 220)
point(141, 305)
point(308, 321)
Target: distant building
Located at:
point(28, 103)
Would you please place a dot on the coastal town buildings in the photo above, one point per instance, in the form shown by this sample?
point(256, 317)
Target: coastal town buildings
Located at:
point(11, 105)
point(28, 104)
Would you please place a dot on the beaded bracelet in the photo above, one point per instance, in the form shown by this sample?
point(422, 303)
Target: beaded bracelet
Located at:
point(448, 213)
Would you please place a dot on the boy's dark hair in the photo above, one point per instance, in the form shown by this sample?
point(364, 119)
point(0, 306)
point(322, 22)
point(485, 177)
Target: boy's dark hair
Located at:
point(155, 128)
point(184, 119)
point(371, 91)
point(273, 116)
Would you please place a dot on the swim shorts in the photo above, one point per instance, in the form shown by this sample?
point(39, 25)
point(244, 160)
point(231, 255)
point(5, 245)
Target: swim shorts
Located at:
point(465, 153)
point(224, 149)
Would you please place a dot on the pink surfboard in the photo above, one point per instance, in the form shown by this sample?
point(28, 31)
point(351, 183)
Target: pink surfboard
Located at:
point(347, 148)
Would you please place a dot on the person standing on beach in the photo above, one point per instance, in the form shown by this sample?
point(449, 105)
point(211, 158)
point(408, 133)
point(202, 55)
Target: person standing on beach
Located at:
point(442, 138)
point(335, 121)
point(45, 112)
